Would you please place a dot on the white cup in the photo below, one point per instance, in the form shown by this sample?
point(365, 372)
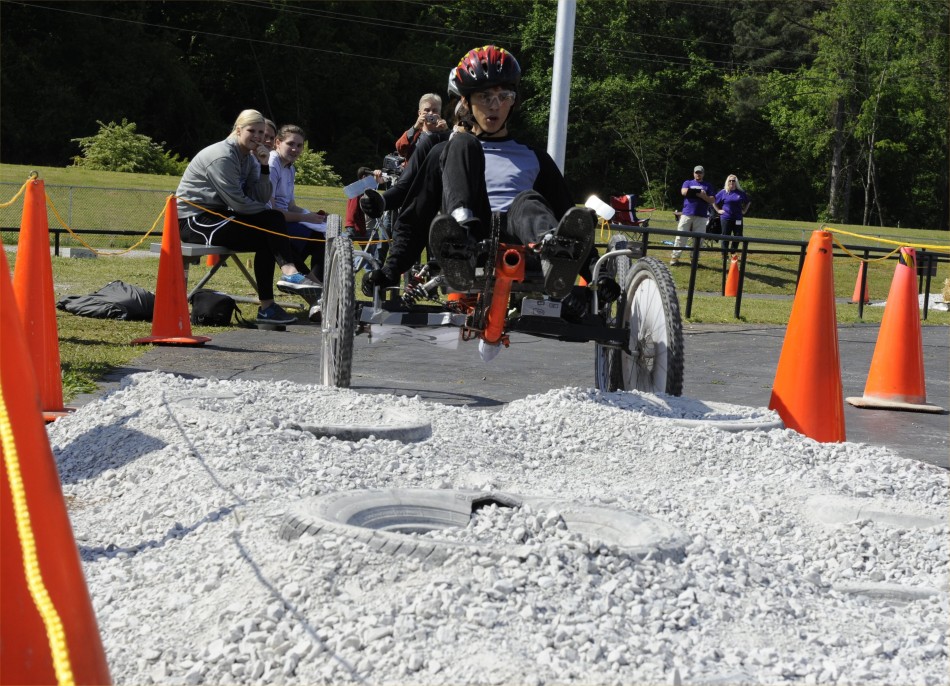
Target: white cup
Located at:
point(603, 210)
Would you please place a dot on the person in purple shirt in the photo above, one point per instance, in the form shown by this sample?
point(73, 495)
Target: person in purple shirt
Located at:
point(697, 197)
point(731, 203)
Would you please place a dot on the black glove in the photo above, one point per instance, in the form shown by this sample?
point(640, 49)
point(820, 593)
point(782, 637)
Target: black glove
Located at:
point(380, 278)
point(608, 290)
point(372, 204)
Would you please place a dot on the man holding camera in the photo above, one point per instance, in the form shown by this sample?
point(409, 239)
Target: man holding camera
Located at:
point(697, 198)
point(428, 123)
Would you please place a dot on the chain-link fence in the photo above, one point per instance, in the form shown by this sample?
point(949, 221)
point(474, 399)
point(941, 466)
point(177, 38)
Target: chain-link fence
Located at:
point(115, 218)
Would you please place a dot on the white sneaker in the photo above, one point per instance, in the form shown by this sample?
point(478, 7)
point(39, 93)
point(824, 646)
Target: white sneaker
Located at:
point(316, 314)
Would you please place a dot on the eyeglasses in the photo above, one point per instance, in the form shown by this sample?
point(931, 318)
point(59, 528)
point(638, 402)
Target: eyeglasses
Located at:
point(485, 99)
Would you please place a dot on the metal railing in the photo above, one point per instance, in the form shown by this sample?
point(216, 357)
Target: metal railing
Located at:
point(120, 212)
point(115, 212)
point(927, 261)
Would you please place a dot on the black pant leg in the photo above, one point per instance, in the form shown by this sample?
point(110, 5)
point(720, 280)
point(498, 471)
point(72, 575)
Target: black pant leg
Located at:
point(463, 178)
point(736, 231)
point(270, 247)
point(530, 217)
point(410, 230)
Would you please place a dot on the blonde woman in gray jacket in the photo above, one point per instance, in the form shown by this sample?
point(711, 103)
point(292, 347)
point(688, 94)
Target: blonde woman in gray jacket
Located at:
point(225, 188)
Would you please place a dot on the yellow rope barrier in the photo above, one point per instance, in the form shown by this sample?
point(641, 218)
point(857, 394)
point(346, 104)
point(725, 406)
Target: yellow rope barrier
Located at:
point(62, 223)
point(862, 259)
point(899, 244)
point(16, 197)
point(59, 651)
point(115, 253)
point(259, 228)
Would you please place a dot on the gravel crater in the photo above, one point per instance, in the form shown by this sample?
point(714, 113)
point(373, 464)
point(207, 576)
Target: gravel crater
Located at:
point(176, 489)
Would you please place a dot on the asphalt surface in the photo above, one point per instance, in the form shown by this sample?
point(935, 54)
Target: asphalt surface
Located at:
point(724, 363)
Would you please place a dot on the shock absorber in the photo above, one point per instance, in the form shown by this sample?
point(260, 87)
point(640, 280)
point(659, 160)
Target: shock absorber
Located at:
point(420, 286)
point(508, 268)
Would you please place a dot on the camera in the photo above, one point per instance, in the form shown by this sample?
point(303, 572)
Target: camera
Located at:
point(432, 118)
point(393, 165)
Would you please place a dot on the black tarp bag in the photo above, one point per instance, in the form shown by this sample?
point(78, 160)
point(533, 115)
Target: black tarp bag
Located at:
point(212, 308)
point(116, 300)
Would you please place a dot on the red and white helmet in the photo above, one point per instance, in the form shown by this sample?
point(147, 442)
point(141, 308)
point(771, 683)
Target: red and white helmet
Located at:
point(483, 68)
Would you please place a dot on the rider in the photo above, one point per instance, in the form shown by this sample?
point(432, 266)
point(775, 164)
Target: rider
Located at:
point(463, 181)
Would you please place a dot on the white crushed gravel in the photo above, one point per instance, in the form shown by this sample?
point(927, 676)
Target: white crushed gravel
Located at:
point(176, 490)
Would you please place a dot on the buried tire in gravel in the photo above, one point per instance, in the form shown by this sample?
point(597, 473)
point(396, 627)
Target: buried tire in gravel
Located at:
point(433, 524)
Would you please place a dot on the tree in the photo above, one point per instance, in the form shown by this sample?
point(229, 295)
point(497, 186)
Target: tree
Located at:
point(876, 91)
point(117, 147)
point(313, 171)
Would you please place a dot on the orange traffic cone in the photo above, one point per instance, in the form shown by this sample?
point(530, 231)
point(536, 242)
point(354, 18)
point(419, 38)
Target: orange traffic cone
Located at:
point(211, 260)
point(171, 323)
point(896, 378)
point(36, 300)
point(856, 298)
point(48, 630)
point(732, 278)
point(807, 388)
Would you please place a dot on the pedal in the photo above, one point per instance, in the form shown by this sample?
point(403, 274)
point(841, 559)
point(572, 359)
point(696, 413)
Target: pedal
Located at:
point(559, 248)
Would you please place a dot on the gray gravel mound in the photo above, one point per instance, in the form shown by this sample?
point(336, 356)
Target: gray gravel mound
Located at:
point(177, 489)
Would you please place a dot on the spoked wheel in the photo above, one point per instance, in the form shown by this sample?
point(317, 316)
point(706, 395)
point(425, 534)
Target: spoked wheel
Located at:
point(650, 308)
point(339, 316)
point(607, 374)
point(621, 264)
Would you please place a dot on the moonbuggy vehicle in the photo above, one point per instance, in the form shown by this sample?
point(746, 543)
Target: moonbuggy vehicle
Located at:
point(638, 338)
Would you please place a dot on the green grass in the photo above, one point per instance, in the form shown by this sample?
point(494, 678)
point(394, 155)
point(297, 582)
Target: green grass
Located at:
point(118, 201)
point(90, 348)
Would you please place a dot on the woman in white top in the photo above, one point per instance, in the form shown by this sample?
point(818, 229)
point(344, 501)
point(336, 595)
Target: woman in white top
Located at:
point(301, 222)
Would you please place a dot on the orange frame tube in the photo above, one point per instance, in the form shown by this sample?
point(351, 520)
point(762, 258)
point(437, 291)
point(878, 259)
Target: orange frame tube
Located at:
point(509, 267)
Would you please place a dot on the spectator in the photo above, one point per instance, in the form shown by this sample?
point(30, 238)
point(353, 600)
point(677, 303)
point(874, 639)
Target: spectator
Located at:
point(354, 223)
point(373, 203)
point(732, 203)
point(222, 200)
point(429, 122)
point(466, 179)
point(300, 221)
point(270, 134)
point(698, 197)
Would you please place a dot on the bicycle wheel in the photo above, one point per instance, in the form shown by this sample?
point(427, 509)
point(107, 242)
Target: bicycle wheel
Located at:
point(651, 310)
point(366, 246)
point(607, 373)
point(621, 264)
point(334, 229)
point(339, 314)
